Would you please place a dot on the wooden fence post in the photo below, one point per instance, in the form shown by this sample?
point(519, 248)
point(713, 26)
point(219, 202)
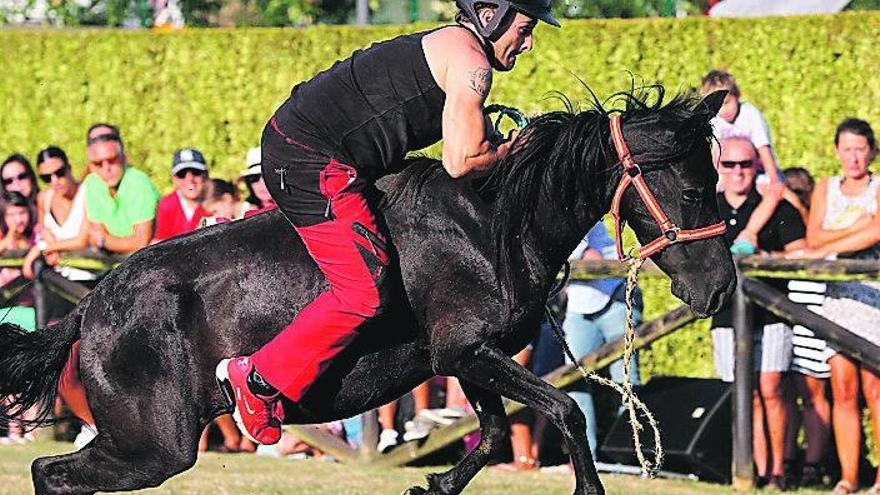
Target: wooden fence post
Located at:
point(41, 294)
point(743, 471)
point(369, 435)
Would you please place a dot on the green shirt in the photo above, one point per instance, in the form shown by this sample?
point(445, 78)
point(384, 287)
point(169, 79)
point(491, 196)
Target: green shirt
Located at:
point(134, 203)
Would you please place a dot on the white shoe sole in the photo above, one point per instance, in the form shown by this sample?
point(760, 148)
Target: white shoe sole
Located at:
point(222, 374)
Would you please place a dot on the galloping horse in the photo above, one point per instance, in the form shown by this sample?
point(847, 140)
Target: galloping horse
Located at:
point(476, 265)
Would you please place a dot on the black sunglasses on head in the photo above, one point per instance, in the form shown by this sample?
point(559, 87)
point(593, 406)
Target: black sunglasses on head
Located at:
point(58, 174)
point(252, 179)
point(10, 180)
point(734, 163)
point(181, 174)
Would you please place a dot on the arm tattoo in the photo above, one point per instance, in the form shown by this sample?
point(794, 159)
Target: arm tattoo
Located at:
point(480, 80)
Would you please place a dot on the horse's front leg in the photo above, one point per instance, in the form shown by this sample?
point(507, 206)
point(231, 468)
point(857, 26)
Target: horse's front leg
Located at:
point(493, 433)
point(488, 367)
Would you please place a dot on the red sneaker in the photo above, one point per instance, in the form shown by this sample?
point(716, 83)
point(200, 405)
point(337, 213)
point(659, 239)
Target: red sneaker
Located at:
point(258, 417)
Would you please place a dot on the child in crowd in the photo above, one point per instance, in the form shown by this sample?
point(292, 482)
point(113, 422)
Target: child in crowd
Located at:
point(741, 119)
point(738, 118)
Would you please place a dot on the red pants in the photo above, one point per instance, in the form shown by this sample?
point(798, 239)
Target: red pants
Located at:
point(350, 251)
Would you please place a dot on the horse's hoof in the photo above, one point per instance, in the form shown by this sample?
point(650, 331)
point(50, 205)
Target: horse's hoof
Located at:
point(415, 490)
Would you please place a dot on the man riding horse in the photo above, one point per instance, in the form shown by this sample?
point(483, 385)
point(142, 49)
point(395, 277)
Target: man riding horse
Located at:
point(323, 148)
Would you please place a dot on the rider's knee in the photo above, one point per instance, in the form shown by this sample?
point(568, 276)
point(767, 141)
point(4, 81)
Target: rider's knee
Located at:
point(368, 302)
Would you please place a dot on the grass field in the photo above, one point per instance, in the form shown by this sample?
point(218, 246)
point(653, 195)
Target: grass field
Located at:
point(219, 474)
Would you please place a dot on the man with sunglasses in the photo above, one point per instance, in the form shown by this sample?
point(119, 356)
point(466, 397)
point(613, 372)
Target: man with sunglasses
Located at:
point(120, 200)
point(181, 211)
point(784, 231)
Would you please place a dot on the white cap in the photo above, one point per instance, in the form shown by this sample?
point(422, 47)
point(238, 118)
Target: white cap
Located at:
point(254, 159)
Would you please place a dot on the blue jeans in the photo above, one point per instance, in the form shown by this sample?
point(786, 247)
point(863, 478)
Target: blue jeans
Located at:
point(586, 333)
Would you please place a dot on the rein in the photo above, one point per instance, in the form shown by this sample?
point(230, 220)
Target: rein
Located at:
point(630, 400)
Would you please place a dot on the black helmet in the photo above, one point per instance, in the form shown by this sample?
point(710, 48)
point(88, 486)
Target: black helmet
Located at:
point(537, 9)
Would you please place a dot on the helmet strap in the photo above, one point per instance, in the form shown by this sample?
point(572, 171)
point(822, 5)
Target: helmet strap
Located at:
point(499, 22)
point(492, 31)
point(489, 50)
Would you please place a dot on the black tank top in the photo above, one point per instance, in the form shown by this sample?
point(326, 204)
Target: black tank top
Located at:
point(370, 109)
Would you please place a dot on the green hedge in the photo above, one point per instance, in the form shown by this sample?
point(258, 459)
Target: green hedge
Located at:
point(214, 89)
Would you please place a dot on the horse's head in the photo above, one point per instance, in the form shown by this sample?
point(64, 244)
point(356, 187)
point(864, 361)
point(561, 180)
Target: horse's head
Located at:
point(677, 221)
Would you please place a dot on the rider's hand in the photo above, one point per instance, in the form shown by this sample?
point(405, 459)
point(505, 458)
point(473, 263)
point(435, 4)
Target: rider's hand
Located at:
point(505, 147)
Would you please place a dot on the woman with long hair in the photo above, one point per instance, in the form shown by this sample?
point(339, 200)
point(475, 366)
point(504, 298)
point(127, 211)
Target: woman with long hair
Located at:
point(61, 213)
point(16, 174)
point(845, 223)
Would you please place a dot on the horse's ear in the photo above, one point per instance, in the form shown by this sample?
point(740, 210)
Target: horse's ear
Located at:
point(712, 102)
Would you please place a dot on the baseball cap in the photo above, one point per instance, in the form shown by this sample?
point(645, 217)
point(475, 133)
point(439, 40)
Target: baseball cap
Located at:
point(188, 158)
point(254, 160)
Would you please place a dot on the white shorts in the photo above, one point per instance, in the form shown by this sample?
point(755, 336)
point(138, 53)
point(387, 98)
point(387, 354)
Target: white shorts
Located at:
point(773, 349)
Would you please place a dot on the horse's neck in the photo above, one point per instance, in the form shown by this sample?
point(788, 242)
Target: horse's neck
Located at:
point(549, 241)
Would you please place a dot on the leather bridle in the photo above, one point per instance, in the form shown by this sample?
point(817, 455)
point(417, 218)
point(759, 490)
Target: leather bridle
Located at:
point(632, 175)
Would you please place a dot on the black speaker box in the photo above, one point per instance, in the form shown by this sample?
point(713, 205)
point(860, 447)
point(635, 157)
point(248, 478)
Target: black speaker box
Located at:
point(694, 416)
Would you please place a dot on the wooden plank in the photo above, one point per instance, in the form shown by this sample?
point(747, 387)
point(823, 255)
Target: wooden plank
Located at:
point(66, 289)
point(645, 335)
point(12, 289)
point(845, 341)
point(325, 442)
point(595, 269)
point(827, 270)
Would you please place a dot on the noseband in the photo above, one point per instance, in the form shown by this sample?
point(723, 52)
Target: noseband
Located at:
point(632, 175)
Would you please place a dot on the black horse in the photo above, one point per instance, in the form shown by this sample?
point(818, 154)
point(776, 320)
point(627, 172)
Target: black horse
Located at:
point(475, 270)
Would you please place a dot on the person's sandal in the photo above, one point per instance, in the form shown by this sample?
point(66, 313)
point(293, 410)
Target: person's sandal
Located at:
point(811, 475)
point(777, 482)
point(874, 490)
point(843, 487)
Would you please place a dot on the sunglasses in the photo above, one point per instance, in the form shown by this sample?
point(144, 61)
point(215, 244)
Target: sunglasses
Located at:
point(252, 179)
point(181, 174)
point(741, 163)
point(58, 174)
point(10, 180)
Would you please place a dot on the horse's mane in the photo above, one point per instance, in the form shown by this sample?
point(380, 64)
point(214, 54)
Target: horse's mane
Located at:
point(563, 153)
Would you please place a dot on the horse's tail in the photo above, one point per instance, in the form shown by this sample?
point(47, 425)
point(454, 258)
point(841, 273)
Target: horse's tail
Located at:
point(30, 368)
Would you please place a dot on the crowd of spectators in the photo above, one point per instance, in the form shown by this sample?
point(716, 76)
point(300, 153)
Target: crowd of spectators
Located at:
point(801, 380)
point(788, 215)
point(114, 208)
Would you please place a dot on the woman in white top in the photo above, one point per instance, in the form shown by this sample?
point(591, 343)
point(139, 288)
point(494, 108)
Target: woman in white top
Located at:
point(63, 227)
point(61, 212)
point(844, 222)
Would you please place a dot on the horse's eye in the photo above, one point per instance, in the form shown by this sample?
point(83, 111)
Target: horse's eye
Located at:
point(690, 195)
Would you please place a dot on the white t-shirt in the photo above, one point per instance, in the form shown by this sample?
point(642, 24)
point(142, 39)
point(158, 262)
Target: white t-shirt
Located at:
point(749, 124)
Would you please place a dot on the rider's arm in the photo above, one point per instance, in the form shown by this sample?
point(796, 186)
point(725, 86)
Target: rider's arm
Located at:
point(466, 147)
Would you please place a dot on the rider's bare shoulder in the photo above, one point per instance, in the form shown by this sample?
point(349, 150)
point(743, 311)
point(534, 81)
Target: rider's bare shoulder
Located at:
point(452, 50)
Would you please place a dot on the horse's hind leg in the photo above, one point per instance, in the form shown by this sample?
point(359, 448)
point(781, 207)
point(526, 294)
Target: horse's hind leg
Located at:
point(493, 433)
point(148, 423)
point(103, 467)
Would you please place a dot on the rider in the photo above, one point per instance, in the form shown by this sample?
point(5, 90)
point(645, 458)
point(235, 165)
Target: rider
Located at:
point(334, 136)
